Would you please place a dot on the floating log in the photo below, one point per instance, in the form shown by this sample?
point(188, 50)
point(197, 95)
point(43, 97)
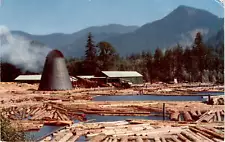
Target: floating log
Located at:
point(59, 135)
point(199, 131)
point(204, 137)
point(191, 137)
point(174, 116)
point(187, 116)
point(194, 134)
point(73, 138)
point(66, 137)
point(221, 136)
point(110, 139)
point(174, 139)
point(163, 139)
point(182, 138)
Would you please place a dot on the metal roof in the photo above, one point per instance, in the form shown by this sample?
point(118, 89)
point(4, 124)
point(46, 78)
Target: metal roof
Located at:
point(37, 77)
point(122, 73)
point(28, 77)
point(86, 76)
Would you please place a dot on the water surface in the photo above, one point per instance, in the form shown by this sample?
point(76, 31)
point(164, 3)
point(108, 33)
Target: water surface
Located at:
point(147, 98)
point(100, 118)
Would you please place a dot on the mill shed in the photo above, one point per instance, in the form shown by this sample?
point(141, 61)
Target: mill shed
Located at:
point(28, 78)
point(132, 76)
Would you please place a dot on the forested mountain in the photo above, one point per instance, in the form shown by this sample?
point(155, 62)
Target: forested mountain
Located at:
point(179, 26)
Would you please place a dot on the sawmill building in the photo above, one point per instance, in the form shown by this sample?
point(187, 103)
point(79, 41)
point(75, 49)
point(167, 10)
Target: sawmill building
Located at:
point(114, 76)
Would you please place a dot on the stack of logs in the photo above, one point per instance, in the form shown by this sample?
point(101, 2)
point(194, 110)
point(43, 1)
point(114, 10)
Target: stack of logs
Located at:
point(204, 116)
point(122, 131)
point(212, 116)
point(47, 112)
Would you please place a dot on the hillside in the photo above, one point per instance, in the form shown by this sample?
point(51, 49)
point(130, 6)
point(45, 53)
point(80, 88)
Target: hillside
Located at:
point(57, 40)
point(179, 26)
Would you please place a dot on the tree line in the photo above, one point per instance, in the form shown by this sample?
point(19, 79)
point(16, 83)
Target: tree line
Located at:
point(196, 63)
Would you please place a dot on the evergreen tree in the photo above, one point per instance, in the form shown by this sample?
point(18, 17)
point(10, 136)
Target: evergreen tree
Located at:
point(157, 65)
point(199, 52)
point(90, 65)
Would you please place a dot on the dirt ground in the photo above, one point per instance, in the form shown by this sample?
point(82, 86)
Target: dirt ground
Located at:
point(19, 94)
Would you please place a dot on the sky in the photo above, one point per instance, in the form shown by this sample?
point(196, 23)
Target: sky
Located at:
point(68, 16)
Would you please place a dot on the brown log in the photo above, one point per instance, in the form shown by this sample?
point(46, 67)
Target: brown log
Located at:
point(199, 131)
point(106, 139)
point(124, 139)
point(204, 137)
point(222, 113)
point(34, 111)
point(191, 137)
point(187, 116)
point(182, 138)
point(66, 137)
point(194, 134)
point(220, 136)
point(59, 108)
point(55, 115)
point(59, 115)
point(174, 116)
point(114, 140)
point(194, 114)
point(218, 116)
point(157, 139)
point(163, 139)
point(174, 139)
point(139, 139)
point(39, 115)
point(208, 117)
point(198, 112)
point(98, 138)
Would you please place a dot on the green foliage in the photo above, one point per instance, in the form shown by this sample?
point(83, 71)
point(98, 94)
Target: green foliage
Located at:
point(106, 55)
point(196, 63)
point(10, 134)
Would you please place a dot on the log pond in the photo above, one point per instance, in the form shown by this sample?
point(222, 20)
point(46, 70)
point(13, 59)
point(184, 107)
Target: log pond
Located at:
point(197, 97)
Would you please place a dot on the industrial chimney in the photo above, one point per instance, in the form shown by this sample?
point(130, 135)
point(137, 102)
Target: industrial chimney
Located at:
point(55, 75)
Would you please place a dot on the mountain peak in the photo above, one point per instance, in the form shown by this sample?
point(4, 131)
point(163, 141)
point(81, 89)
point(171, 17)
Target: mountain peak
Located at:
point(184, 11)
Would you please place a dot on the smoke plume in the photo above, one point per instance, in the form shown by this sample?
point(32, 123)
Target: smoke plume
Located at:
point(20, 52)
